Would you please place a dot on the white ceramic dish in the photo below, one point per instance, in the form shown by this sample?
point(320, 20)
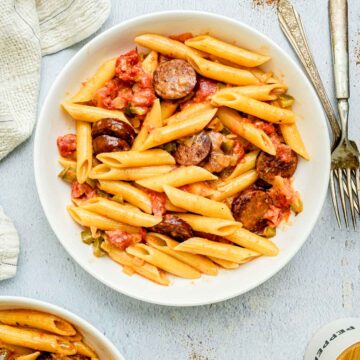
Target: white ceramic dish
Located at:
point(311, 178)
point(93, 337)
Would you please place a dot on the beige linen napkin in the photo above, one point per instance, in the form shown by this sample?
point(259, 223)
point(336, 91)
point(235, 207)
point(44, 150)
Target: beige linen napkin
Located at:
point(30, 29)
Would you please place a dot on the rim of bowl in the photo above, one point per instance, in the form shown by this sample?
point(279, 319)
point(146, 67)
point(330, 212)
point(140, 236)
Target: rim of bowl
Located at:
point(55, 309)
point(326, 174)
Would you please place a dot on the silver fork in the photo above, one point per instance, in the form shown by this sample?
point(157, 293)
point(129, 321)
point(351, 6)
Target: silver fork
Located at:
point(345, 157)
point(291, 25)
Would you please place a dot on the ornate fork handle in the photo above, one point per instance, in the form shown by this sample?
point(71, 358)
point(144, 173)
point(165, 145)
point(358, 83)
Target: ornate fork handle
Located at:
point(292, 27)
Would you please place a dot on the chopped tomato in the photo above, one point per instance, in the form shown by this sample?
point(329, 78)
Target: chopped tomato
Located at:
point(143, 97)
point(205, 88)
point(282, 193)
point(82, 191)
point(284, 153)
point(116, 94)
point(239, 150)
point(201, 188)
point(67, 145)
point(158, 201)
point(123, 239)
point(128, 66)
point(274, 216)
point(268, 128)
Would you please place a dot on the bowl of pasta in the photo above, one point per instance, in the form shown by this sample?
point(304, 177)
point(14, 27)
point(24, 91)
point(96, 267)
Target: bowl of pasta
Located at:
point(195, 159)
point(32, 329)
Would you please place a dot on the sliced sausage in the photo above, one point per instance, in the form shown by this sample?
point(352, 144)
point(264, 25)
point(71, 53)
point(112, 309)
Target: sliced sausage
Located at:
point(283, 164)
point(107, 143)
point(174, 227)
point(114, 127)
point(174, 79)
point(250, 207)
point(196, 152)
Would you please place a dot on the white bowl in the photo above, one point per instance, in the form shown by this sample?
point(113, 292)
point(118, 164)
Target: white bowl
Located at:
point(92, 337)
point(311, 178)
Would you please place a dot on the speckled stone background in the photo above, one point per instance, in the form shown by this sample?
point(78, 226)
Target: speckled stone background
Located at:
point(272, 322)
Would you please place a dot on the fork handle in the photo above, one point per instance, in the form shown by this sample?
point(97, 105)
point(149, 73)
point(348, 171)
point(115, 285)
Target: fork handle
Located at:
point(338, 10)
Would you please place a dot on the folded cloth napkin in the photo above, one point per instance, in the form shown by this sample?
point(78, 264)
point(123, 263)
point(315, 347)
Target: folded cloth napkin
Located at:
point(30, 29)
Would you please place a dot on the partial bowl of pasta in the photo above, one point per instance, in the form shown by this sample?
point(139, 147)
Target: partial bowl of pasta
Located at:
point(32, 329)
point(192, 157)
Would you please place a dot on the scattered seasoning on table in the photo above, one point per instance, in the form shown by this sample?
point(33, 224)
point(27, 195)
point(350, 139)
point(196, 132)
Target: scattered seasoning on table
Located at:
point(357, 50)
point(262, 3)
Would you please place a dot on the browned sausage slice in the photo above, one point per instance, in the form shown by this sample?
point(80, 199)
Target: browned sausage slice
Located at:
point(174, 79)
point(250, 207)
point(196, 152)
point(283, 164)
point(113, 127)
point(174, 227)
point(107, 143)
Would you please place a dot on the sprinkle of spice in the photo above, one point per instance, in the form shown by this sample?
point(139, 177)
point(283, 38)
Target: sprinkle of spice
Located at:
point(357, 51)
point(263, 3)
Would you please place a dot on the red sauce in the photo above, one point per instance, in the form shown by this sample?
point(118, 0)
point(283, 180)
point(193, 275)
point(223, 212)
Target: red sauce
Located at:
point(122, 239)
point(67, 145)
point(82, 191)
point(205, 88)
point(239, 150)
point(158, 201)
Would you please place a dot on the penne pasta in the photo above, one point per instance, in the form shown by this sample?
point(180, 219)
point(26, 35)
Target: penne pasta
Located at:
point(253, 107)
point(38, 320)
point(167, 109)
point(126, 159)
point(220, 72)
point(210, 225)
point(197, 204)
point(36, 340)
point(83, 151)
point(292, 137)
point(235, 185)
point(215, 249)
point(226, 51)
point(105, 172)
point(130, 193)
point(150, 62)
point(103, 74)
point(247, 163)
point(189, 111)
point(67, 163)
point(224, 263)
point(83, 349)
point(91, 219)
point(254, 242)
point(258, 92)
point(163, 261)
point(32, 356)
point(152, 121)
point(92, 113)
point(167, 245)
point(170, 207)
point(181, 176)
point(120, 212)
point(240, 126)
point(176, 131)
point(145, 270)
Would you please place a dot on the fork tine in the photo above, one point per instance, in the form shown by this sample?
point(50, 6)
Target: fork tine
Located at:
point(351, 199)
point(357, 179)
point(342, 197)
point(334, 199)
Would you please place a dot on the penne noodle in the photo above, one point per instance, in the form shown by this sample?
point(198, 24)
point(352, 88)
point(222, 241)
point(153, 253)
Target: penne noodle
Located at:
point(197, 245)
point(163, 261)
point(90, 219)
point(224, 263)
point(244, 128)
point(176, 131)
point(220, 72)
point(67, 163)
point(83, 151)
point(166, 46)
point(181, 176)
point(120, 212)
point(253, 107)
point(85, 350)
point(254, 242)
point(258, 92)
point(170, 207)
point(189, 111)
point(226, 51)
point(92, 113)
point(105, 172)
point(36, 340)
point(130, 193)
point(152, 121)
point(145, 270)
point(19, 350)
point(150, 62)
point(235, 185)
point(32, 356)
point(197, 204)
point(103, 74)
point(168, 108)
point(292, 138)
point(247, 163)
point(167, 245)
point(38, 320)
point(264, 77)
point(126, 159)
point(210, 225)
